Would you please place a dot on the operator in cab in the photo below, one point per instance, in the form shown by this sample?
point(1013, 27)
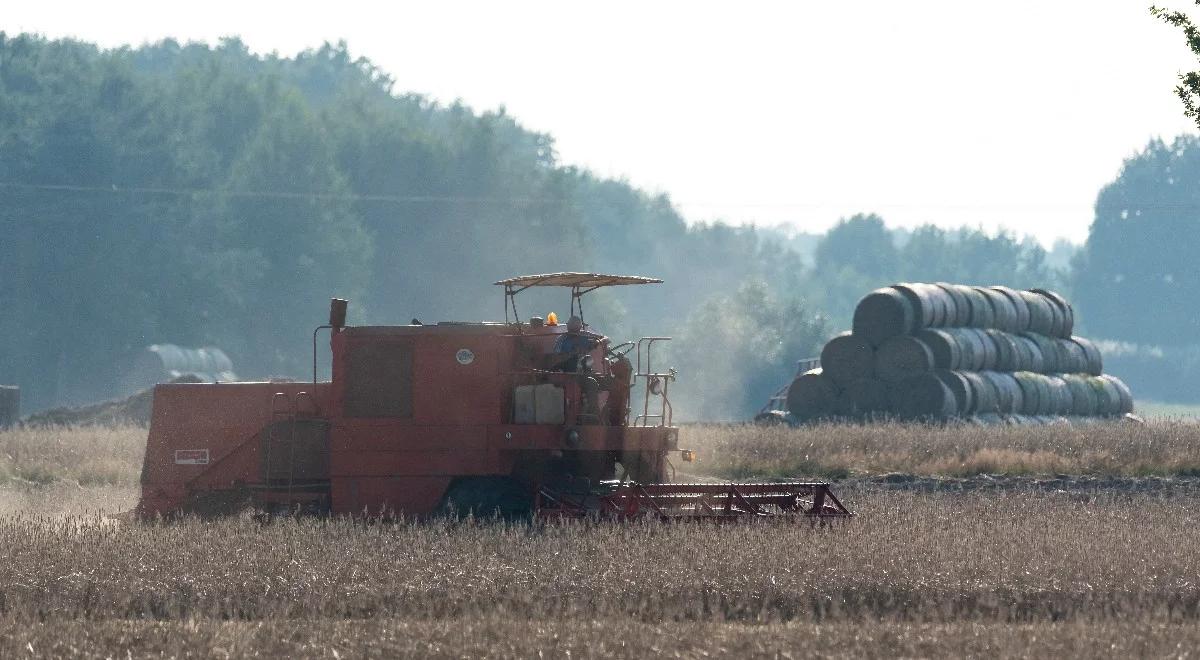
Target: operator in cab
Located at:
point(574, 344)
point(571, 355)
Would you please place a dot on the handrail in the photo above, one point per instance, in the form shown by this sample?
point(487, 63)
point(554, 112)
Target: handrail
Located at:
point(646, 373)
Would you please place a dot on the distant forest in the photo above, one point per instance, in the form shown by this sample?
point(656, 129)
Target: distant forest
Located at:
point(204, 195)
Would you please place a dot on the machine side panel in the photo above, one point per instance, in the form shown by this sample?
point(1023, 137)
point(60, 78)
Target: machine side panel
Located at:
point(205, 435)
point(382, 450)
point(457, 380)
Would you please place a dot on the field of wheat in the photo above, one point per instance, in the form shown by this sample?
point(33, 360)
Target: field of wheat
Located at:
point(1013, 573)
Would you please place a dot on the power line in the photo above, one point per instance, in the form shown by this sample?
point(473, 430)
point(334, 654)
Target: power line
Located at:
point(277, 194)
point(462, 199)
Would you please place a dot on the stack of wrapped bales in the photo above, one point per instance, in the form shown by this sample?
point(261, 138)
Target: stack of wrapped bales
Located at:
point(941, 351)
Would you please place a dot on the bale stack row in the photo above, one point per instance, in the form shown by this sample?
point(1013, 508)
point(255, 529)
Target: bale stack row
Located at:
point(939, 351)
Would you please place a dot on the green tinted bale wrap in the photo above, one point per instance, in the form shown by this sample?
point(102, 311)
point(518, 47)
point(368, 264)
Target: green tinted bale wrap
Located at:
point(1108, 399)
point(1124, 394)
point(1083, 397)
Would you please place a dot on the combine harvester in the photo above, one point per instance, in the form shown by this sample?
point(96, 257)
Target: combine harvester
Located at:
point(515, 418)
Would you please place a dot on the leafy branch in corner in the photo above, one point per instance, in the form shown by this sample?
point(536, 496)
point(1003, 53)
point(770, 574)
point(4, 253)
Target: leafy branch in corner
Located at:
point(1189, 88)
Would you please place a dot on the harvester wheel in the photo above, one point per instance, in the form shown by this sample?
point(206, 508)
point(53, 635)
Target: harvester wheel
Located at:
point(487, 497)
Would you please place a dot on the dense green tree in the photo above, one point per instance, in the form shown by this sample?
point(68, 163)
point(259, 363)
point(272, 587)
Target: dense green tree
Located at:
point(861, 243)
point(752, 339)
point(1136, 277)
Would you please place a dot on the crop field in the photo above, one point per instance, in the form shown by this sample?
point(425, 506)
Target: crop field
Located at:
point(1017, 572)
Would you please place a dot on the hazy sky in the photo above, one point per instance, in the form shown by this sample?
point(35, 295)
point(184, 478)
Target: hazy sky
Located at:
point(993, 114)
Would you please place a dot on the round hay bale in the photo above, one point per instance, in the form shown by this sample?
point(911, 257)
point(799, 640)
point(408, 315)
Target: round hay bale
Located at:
point(971, 348)
point(1059, 401)
point(1021, 323)
point(985, 349)
point(848, 357)
point(1124, 394)
point(964, 398)
point(983, 393)
point(883, 314)
point(1041, 312)
point(1041, 315)
point(923, 396)
point(1047, 350)
point(811, 396)
point(1108, 398)
point(928, 311)
point(1093, 361)
point(1032, 354)
point(1073, 358)
point(1083, 397)
point(868, 397)
point(1051, 402)
point(1031, 393)
point(947, 353)
point(1004, 316)
point(962, 307)
point(1067, 321)
point(1022, 356)
point(1005, 350)
point(1008, 391)
point(902, 357)
point(982, 315)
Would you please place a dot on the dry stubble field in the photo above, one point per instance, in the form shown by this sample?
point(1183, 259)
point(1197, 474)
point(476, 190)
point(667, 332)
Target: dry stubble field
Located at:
point(1082, 572)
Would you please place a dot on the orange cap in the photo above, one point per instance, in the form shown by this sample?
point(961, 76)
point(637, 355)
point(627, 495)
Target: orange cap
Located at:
point(552, 319)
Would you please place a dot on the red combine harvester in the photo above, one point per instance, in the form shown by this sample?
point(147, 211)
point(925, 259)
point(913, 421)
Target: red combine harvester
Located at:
point(515, 418)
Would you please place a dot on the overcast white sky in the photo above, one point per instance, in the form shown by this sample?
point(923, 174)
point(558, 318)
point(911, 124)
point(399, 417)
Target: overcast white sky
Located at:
point(989, 114)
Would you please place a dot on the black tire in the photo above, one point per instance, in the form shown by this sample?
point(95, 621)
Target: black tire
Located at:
point(487, 497)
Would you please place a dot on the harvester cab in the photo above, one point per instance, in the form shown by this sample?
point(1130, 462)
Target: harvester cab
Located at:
point(514, 417)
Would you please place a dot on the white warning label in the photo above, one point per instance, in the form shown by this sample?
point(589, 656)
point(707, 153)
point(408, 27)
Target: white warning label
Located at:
point(191, 457)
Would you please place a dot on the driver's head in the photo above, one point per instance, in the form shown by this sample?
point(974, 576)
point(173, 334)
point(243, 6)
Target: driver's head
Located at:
point(574, 324)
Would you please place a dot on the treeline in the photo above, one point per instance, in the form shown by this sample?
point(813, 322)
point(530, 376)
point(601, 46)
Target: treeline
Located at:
point(205, 195)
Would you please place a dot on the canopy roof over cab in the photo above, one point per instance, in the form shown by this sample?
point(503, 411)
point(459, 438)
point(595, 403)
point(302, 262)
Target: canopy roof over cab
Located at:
point(579, 283)
point(575, 280)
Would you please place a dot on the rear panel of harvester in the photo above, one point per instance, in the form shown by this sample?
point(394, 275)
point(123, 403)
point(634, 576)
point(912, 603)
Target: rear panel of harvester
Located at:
point(209, 437)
